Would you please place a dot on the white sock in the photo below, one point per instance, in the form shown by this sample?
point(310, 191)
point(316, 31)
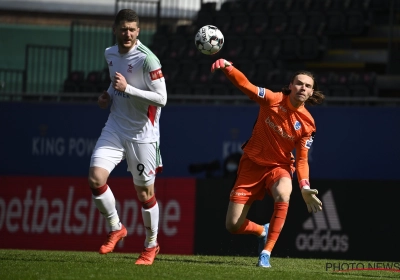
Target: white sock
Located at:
point(266, 252)
point(151, 217)
point(106, 205)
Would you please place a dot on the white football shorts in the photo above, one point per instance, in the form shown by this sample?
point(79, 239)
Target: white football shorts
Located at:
point(143, 159)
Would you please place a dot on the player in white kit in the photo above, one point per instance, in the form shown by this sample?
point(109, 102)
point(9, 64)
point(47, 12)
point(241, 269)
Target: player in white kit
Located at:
point(137, 94)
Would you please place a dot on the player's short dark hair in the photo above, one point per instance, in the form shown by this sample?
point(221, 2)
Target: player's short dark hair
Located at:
point(126, 15)
point(317, 97)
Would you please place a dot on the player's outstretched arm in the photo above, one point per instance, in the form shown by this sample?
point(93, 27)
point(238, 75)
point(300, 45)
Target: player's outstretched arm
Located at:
point(240, 81)
point(309, 196)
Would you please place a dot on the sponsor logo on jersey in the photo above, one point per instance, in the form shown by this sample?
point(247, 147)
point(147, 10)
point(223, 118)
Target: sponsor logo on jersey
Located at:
point(130, 67)
point(237, 193)
point(278, 129)
point(297, 125)
point(326, 230)
point(156, 74)
point(310, 141)
point(282, 108)
point(119, 93)
point(261, 92)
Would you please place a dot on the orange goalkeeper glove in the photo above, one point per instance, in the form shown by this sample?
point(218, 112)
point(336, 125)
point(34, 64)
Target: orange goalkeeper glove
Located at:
point(221, 64)
point(312, 202)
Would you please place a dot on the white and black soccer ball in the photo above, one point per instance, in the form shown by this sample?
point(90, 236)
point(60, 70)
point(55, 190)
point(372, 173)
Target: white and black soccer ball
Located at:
point(209, 39)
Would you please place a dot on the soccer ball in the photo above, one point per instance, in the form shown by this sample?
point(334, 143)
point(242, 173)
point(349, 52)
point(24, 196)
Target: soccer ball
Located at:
point(209, 39)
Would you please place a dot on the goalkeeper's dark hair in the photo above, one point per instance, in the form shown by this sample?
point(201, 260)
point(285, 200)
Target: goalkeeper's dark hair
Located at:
point(317, 97)
point(126, 15)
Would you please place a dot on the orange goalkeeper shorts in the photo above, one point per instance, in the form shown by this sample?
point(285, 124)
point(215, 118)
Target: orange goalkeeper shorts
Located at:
point(254, 180)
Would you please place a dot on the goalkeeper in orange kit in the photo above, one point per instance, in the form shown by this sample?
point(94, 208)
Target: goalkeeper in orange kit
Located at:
point(267, 164)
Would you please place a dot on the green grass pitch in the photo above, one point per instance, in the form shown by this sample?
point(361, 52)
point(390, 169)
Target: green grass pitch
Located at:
point(43, 265)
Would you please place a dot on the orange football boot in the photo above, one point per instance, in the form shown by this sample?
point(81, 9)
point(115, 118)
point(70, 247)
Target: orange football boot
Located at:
point(112, 239)
point(148, 255)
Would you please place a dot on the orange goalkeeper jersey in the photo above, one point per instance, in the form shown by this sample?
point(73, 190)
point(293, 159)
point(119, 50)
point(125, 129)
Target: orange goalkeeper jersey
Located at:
point(279, 129)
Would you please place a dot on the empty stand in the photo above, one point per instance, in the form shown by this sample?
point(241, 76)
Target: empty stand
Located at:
point(267, 41)
point(74, 81)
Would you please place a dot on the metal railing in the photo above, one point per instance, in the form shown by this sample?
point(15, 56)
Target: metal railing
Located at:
point(46, 68)
point(88, 41)
point(11, 80)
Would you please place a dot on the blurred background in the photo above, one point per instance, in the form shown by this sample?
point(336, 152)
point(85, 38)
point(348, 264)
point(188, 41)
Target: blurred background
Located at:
point(52, 69)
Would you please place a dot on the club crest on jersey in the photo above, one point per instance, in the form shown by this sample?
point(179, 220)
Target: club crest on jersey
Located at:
point(130, 67)
point(156, 74)
point(297, 125)
point(110, 63)
point(261, 92)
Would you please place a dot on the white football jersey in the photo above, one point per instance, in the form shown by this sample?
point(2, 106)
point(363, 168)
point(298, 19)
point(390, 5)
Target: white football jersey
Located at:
point(133, 117)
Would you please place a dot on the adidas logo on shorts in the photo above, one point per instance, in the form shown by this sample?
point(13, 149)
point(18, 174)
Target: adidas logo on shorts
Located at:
point(326, 229)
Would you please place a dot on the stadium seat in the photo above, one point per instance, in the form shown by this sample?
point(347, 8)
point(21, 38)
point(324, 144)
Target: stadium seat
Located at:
point(278, 5)
point(262, 68)
point(92, 82)
point(296, 23)
point(187, 71)
point(308, 48)
point(316, 23)
point(271, 47)
point(289, 47)
point(185, 30)
point(204, 71)
point(105, 79)
point(264, 65)
point(233, 47)
point(380, 5)
point(204, 19)
point(191, 52)
point(177, 45)
point(231, 7)
point(219, 89)
point(277, 22)
point(317, 5)
point(246, 66)
point(74, 81)
point(239, 23)
point(223, 21)
point(355, 23)
point(335, 22)
point(336, 5)
point(219, 78)
point(253, 47)
point(181, 89)
point(338, 90)
point(258, 23)
point(255, 6)
point(200, 89)
point(159, 45)
point(338, 85)
point(360, 5)
point(277, 79)
point(208, 8)
point(273, 79)
point(322, 79)
point(361, 84)
point(170, 70)
point(300, 5)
